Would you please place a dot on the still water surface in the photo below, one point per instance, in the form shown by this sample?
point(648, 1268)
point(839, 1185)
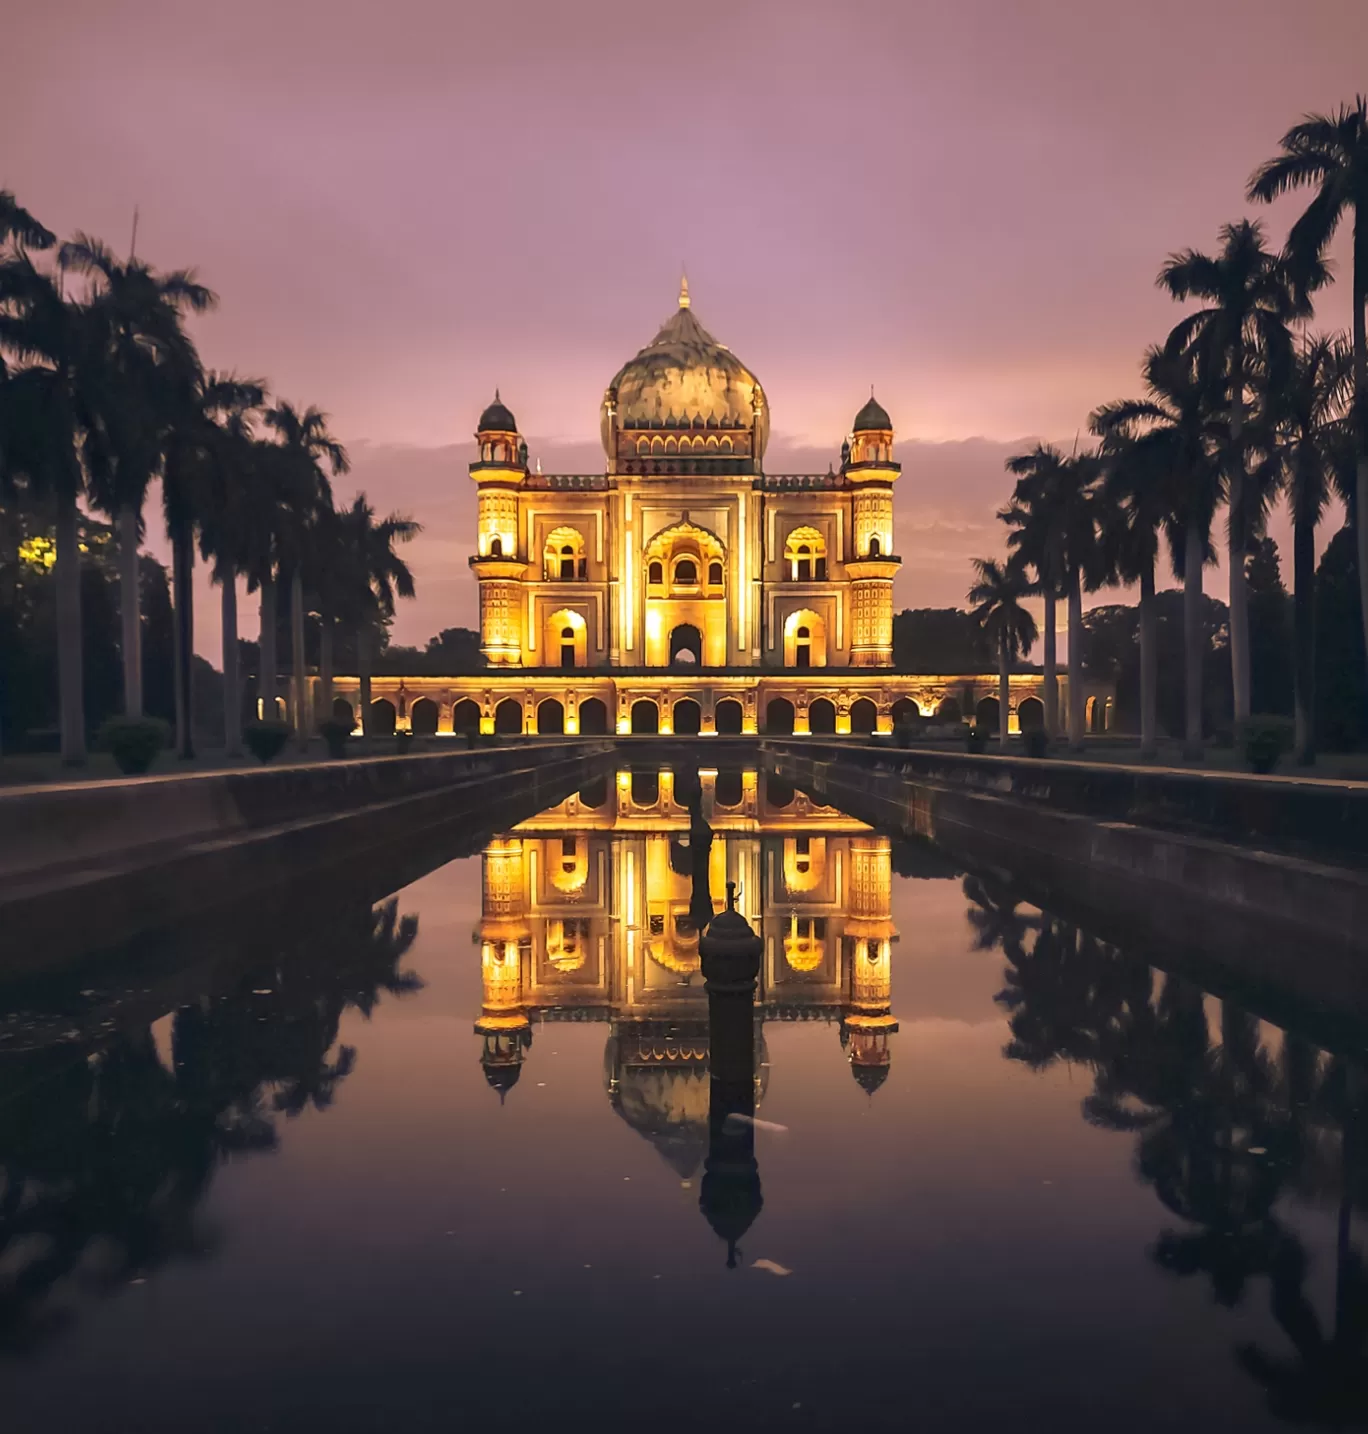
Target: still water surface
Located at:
point(440, 1161)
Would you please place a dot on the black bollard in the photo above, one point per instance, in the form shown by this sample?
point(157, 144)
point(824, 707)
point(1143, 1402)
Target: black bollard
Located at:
point(730, 1199)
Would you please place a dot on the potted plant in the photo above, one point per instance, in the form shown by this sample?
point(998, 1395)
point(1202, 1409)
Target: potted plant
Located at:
point(1264, 739)
point(335, 736)
point(133, 742)
point(266, 740)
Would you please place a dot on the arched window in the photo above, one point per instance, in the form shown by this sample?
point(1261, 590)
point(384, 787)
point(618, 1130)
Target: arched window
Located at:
point(686, 573)
point(496, 547)
point(874, 547)
point(805, 556)
point(805, 638)
point(655, 574)
point(565, 636)
point(564, 559)
point(714, 575)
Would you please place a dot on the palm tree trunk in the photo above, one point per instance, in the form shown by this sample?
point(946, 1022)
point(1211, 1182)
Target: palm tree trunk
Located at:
point(71, 697)
point(182, 574)
point(1304, 636)
point(1051, 665)
point(266, 651)
point(232, 691)
point(1360, 301)
point(1237, 546)
point(1004, 692)
point(325, 668)
point(1149, 666)
point(1193, 554)
point(301, 675)
point(130, 611)
point(1076, 660)
point(363, 669)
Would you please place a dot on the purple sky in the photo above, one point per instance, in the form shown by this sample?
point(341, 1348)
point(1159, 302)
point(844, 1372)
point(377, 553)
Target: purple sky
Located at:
point(401, 206)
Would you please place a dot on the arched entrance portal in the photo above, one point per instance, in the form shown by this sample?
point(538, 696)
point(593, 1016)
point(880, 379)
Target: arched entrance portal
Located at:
point(508, 716)
point(822, 716)
point(864, 716)
point(465, 716)
point(905, 713)
point(1030, 713)
point(686, 645)
point(950, 711)
point(593, 718)
point(550, 717)
point(423, 718)
point(779, 717)
point(986, 713)
point(382, 717)
point(645, 716)
point(728, 716)
point(687, 718)
point(342, 712)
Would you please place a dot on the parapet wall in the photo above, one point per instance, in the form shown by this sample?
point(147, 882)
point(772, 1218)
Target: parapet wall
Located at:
point(98, 858)
point(1327, 820)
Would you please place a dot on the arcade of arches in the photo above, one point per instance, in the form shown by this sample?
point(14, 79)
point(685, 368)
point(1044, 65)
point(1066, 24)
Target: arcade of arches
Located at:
point(583, 703)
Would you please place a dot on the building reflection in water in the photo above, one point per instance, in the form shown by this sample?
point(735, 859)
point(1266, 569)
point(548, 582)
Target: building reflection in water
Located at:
point(586, 916)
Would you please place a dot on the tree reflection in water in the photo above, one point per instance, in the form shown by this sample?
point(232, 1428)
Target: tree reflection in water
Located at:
point(106, 1155)
point(1227, 1133)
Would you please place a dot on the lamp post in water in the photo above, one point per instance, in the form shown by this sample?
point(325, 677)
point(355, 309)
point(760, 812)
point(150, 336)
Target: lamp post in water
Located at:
point(730, 953)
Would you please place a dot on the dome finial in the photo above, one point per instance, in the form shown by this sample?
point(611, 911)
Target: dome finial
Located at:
point(683, 291)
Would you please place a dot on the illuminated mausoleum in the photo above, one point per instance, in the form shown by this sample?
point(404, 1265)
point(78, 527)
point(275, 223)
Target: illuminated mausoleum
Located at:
point(685, 588)
point(586, 917)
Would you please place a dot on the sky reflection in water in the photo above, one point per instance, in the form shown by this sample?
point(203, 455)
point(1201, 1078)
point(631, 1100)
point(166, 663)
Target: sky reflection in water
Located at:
point(1021, 1176)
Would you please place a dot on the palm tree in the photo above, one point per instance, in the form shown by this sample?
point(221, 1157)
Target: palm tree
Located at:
point(1037, 540)
point(19, 227)
point(150, 363)
point(1330, 154)
point(374, 576)
point(1311, 418)
point(1076, 497)
point(191, 437)
point(997, 596)
point(1139, 502)
point(21, 231)
point(1250, 296)
point(306, 445)
point(230, 527)
point(49, 428)
point(1175, 425)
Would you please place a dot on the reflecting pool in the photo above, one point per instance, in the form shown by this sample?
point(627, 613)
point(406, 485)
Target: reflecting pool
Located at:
point(446, 1157)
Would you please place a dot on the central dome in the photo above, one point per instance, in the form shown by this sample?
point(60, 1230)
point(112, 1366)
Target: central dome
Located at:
point(685, 379)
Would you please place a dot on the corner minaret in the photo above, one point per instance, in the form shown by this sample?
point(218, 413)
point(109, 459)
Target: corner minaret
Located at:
point(870, 470)
point(869, 934)
point(505, 939)
point(500, 471)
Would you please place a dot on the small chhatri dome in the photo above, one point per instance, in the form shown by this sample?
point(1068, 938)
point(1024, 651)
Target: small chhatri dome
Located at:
point(873, 417)
point(497, 418)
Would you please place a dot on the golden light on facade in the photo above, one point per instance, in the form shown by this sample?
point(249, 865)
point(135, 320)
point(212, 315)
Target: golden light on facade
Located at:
point(685, 570)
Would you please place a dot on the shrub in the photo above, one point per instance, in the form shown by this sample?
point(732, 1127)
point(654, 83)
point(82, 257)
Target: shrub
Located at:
point(1265, 739)
point(266, 740)
point(335, 735)
point(1036, 741)
point(403, 742)
point(133, 742)
point(975, 737)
